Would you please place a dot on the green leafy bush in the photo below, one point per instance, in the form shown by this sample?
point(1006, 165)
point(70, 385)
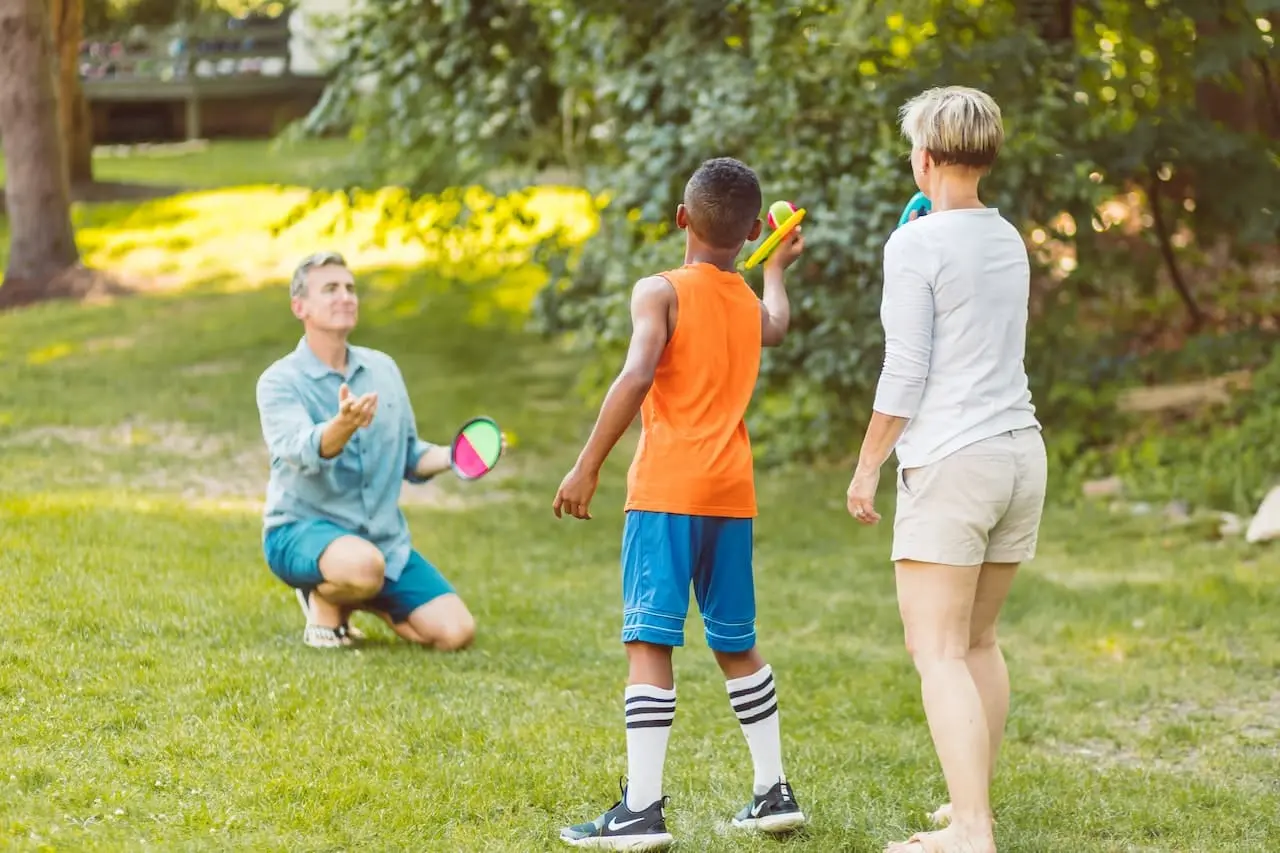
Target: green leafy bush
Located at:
point(1115, 168)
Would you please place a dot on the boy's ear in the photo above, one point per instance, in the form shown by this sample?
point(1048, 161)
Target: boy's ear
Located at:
point(755, 230)
point(682, 216)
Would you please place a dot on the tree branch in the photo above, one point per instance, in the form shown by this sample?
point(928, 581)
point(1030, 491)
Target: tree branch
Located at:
point(1166, 250)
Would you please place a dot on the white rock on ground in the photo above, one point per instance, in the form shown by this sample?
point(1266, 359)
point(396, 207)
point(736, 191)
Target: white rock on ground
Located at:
point(1266, 523)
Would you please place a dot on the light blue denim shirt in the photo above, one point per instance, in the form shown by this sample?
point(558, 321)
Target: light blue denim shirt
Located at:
point(359, 489)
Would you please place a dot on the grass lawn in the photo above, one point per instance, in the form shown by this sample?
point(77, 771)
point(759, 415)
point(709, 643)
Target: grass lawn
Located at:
point(310, 162)
point(156, 694)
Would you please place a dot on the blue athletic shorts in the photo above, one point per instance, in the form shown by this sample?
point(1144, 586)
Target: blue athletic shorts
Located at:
point(662, 554)
point(293, 552)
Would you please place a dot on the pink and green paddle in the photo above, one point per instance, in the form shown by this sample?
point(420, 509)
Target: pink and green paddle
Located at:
point(476, 448)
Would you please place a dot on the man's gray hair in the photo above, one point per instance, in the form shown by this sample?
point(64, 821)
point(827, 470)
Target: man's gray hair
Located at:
point(298, 286)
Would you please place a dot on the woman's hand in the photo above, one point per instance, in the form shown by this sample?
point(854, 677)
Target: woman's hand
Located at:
point(861, 496)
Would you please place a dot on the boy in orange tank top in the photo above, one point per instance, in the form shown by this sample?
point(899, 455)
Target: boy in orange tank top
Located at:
point(690, 372)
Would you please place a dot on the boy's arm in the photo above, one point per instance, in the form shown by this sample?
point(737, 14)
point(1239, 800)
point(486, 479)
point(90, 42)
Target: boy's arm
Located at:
point(650, 312)
point(651, 303)
point(775, 308)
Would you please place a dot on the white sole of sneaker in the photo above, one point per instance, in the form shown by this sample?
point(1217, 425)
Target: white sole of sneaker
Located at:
point(353, 632)
point(624, 842)
point(773, 823)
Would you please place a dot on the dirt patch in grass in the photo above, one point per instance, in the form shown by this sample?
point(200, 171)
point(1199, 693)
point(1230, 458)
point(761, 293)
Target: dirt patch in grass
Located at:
point(1188, 732)
point(205, 469)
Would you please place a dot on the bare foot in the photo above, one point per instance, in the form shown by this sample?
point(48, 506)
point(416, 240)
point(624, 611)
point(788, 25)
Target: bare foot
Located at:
point(942, 817)
point(949, 840)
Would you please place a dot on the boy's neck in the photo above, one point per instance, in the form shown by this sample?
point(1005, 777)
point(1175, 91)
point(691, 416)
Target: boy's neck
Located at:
point(718, 258)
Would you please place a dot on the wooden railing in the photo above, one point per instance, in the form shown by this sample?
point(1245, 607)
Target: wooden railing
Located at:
point(188, 63)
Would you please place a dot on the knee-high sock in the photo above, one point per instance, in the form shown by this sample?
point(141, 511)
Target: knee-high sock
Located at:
point(650, 711)
point(755, 703)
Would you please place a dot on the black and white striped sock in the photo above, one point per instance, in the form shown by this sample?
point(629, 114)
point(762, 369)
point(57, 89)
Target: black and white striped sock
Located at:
point(755, 703)
point(650, 711)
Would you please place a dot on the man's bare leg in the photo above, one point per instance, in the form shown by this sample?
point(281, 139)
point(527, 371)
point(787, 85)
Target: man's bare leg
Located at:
point(443, 623)
point(403, 630)
point(353, 573)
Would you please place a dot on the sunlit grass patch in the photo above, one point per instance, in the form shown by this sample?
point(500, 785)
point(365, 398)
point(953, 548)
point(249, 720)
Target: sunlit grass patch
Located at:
point(249, 236)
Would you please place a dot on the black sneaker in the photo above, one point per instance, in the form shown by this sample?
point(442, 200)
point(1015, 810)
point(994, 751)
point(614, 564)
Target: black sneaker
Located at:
point(776, 810)
point(622, 829)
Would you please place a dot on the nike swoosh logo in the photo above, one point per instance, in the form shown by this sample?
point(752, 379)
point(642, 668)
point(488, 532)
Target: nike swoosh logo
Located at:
point(757, 808)
point(614, 826)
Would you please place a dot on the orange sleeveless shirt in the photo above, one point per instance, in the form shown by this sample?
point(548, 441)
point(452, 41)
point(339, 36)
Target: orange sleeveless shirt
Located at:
point(694, 455)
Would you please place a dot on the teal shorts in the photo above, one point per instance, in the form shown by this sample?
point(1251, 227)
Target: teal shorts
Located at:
point(293, 553)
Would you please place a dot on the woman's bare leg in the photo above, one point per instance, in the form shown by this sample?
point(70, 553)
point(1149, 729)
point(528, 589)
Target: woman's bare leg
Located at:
point(937, 604)
point(986, 661)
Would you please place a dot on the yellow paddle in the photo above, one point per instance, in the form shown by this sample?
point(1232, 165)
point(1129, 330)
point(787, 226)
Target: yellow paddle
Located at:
point(783, 218)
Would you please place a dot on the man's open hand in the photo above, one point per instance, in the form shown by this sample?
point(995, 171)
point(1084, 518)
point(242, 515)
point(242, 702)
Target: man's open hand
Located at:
point(355, 412)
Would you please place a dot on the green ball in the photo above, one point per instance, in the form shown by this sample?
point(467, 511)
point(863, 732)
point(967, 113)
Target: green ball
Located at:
point(779, 213)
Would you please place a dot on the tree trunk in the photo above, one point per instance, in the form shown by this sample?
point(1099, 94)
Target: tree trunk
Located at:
point(1053, 20)
point(1253, 107)
point(67, 22)
point(42, 241)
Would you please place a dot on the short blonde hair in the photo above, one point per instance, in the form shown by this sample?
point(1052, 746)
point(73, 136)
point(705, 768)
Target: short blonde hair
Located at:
point(955, 124)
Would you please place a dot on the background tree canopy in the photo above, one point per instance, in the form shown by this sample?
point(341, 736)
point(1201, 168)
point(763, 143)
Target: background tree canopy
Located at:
point(1130, 126)
point(107, 16)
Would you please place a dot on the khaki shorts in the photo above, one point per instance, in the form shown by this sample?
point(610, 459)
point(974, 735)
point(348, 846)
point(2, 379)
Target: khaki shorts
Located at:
point(981, 504)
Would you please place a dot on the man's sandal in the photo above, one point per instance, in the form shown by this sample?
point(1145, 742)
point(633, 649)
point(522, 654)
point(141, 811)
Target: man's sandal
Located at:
point(323, 637)
point(351, 632)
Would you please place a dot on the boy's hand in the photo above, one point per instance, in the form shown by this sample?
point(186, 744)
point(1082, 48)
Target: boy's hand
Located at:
point(575, 493)
point(788, 250)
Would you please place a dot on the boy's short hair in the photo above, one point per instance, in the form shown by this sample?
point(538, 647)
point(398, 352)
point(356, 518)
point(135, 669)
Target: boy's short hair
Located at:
point(723, 200)
point(955, 124)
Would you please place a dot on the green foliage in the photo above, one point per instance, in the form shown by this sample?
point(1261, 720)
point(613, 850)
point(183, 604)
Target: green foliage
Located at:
point(1224, 458)
point(441, 94)
point(633, 96)
point(782, 95)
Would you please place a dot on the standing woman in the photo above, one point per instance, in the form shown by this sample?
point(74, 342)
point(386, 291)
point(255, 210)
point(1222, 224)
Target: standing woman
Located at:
point(954, 402)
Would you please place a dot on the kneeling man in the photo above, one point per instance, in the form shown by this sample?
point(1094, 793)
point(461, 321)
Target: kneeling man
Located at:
point(342, 437)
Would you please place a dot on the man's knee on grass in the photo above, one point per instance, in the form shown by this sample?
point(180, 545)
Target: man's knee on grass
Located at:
point(353, 569)
point(457, 634)
point(444, 624)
